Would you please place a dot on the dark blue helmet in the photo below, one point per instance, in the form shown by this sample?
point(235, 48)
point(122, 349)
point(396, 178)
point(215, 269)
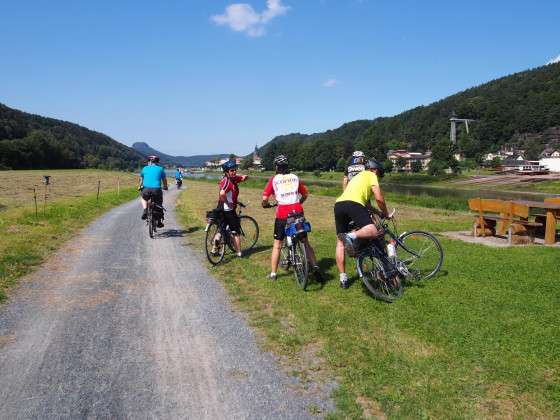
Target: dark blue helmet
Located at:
point(230, 164)
point(373, 164)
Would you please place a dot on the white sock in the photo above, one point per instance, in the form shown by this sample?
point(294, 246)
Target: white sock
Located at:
point(352, 235)
point(239, 254)
point(272, 274)
point(343, 277)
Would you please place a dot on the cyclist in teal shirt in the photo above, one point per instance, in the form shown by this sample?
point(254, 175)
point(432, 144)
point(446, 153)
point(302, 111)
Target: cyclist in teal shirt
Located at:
point(152, 177)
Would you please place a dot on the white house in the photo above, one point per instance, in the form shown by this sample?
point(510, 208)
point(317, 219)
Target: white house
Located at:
point(552, 163)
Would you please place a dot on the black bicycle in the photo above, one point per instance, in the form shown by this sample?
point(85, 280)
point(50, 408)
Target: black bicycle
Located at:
point(293, 254)
point(154, 213)
point(219, 236)
point(385, 263)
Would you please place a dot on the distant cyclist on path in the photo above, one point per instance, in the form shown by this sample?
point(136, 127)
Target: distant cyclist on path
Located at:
point(229, 191)
point(152, 177)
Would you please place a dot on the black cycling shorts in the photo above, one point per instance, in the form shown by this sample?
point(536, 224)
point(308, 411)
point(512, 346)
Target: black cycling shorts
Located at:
point(154, 193)
point(350, 211)
point(232, 219)
point(280, 229)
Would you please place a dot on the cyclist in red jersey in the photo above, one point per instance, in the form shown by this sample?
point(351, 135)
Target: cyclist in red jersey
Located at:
point(229, 191)
point(290, 193)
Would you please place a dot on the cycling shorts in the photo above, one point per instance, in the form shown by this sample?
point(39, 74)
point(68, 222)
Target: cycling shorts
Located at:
point(350, 211)
point(232, 219)
point(154, 193)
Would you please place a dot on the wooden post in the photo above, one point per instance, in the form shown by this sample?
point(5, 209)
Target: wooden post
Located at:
point(481, 218)
point(35, 200)
point(98, 186)
point(118, 186)
point(45, 200)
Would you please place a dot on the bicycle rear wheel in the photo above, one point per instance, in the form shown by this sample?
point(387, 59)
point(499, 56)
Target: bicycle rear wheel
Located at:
point(150, 221)
point(300, 263)
point(429, 254)
point(373, 276)
point(215, 246)
point(249, 234)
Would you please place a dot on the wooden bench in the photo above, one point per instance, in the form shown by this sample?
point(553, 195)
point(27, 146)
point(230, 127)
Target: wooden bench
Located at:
point(541, 218)
point(499, 216)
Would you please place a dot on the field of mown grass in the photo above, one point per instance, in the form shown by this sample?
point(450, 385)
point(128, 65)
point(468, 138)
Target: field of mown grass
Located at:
point(481, 340)
point(26, 239)
point(16, 187)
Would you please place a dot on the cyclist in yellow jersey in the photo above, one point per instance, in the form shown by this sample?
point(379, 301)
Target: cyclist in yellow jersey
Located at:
point(354, 205)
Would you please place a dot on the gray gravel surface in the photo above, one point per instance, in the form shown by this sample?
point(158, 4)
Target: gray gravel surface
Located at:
point(117, 325)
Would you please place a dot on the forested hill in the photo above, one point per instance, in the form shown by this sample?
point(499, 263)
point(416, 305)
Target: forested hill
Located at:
point(185, 161)
point(32, 142)
point(518, 109)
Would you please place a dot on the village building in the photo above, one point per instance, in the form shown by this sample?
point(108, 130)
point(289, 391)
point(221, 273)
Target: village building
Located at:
point(408, 159)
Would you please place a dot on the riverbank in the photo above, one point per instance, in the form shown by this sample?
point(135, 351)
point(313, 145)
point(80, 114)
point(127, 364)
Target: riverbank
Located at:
point(27, 237)
point(431, 194)
point(477, 341)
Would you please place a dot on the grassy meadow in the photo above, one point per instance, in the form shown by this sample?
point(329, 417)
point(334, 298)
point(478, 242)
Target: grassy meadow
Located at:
point(481, 340)
point(26, 239)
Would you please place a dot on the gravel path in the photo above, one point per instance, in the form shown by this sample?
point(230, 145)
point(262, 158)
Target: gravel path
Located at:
point(116, 325)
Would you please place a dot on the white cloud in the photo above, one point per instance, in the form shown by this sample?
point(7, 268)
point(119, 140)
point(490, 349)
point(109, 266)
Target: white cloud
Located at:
point(331, 83)
point(554, 60)
point(241, 17)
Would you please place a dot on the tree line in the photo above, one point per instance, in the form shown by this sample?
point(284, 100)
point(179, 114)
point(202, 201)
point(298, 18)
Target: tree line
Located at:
point(505, 110)
point(33, 142)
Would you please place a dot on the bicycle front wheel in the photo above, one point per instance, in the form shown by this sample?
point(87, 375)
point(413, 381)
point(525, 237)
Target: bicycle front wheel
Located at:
point(300, 264)
point(285, 261)
point(429, 254)
point(249, 234)
point(382, 287)
point(215, 246)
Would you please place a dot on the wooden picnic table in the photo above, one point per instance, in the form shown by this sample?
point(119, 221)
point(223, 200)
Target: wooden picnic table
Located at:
point(552, 212)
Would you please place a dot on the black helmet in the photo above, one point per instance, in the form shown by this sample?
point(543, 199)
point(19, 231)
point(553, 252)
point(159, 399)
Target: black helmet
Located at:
point(373, 164)
point(153, 158)
point(230, 164)
point(281, 160)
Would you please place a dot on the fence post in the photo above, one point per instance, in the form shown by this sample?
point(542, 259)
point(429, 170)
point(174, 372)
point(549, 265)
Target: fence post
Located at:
point(98, 186)
point(35, 200)
point(118, 186)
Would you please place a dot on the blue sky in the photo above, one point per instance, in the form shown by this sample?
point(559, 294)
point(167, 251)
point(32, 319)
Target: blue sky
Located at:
point(199, 76)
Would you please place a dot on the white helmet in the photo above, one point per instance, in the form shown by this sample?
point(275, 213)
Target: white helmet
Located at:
point(358, 154)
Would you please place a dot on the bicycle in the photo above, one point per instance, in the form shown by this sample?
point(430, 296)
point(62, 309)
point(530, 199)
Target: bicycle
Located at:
point(293, 253)
point(218, 234)
point(152, 218)
point(383, 269)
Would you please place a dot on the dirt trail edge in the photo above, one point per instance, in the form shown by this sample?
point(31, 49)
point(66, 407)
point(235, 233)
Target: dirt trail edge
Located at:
point(117, 325)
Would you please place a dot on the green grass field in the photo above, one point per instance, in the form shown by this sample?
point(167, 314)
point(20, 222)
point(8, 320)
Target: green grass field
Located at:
point(26, 239)
point(481, 340)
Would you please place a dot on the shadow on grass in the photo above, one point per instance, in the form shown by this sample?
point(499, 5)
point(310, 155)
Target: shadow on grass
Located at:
point(257, 249)
point(422, 283)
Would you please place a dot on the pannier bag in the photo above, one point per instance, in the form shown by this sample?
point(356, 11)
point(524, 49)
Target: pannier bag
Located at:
point(297, 225)
point(215, 214)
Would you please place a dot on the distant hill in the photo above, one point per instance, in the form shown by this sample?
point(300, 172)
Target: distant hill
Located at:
point(522, 109)
point(186, 161)
point(30, 141)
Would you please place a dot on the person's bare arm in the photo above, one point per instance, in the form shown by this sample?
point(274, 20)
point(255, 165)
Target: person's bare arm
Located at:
point(164, 180)
point(380, 200)
point(344, 183)
point(303, 197)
